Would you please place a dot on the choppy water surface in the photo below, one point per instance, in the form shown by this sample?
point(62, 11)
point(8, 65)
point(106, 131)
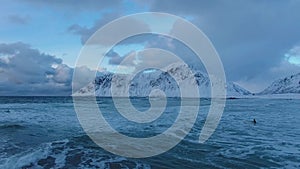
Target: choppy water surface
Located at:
point(43, 132)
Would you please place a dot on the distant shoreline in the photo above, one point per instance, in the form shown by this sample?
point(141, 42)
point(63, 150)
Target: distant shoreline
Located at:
point(273, 96)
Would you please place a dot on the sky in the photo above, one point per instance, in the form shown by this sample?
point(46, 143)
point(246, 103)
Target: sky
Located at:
point(257, 41)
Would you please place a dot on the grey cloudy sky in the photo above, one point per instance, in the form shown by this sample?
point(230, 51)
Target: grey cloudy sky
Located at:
point(258, 41)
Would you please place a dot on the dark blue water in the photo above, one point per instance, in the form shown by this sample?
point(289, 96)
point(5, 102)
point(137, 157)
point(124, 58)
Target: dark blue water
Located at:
point(43, 132)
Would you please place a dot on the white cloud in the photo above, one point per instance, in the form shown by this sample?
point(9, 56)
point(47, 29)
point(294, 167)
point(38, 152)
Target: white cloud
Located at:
point(293, 56)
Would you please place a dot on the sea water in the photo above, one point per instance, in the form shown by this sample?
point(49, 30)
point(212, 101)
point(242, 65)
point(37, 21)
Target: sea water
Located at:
point(44, 132)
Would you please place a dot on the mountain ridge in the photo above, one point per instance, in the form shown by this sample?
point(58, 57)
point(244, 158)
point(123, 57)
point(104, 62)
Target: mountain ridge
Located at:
point(288, 84)
point(143, 84)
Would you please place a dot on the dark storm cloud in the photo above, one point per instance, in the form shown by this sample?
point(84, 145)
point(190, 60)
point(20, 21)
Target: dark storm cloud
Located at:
point(250, 36)
point(114, 58)
point(113, 34)
point(27, 71)
point(85, 33)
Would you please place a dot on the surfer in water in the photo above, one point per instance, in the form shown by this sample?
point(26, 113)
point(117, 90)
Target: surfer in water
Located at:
point(254, 121)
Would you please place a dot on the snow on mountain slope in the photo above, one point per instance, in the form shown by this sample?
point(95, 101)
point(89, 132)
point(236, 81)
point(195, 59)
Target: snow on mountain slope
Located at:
point(290, 84)
point(236, 90)
point(146, 82)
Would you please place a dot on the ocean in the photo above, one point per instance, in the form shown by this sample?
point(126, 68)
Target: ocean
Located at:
point(44, 132)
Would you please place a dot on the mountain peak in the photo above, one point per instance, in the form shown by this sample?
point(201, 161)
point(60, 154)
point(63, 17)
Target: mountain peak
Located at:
point(289, 84)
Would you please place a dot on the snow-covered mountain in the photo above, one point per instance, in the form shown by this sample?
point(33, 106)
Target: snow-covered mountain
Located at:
point(290, 84)
point(143, 83)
